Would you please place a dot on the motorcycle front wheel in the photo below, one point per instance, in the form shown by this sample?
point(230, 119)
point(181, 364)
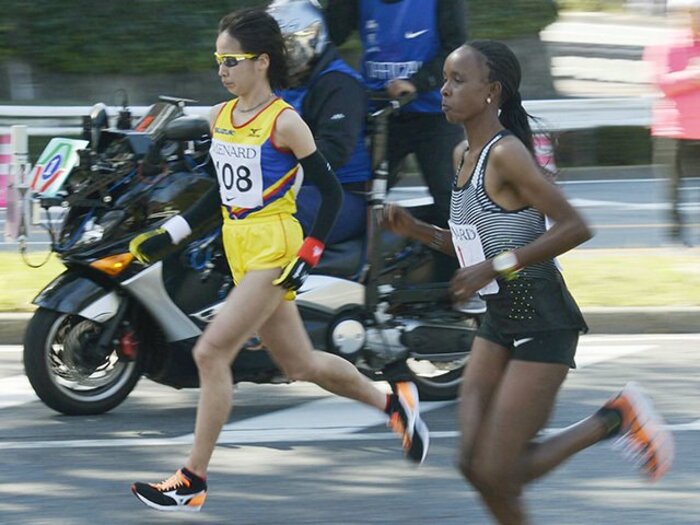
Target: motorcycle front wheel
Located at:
point(67, 370)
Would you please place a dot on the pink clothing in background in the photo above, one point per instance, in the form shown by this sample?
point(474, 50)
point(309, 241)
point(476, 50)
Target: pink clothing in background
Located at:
point(5, 159)
point(677, 113)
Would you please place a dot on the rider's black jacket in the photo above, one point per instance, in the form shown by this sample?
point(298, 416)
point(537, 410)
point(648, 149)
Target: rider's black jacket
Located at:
point(342, 17)
point(328, 95)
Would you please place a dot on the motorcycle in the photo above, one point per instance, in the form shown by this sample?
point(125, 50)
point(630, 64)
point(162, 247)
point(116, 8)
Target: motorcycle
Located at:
point(107, 320)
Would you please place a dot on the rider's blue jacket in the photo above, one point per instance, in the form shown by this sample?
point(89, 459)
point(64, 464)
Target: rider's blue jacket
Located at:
point(332, 101)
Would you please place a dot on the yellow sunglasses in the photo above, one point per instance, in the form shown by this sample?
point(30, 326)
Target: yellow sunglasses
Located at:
point(232, 60)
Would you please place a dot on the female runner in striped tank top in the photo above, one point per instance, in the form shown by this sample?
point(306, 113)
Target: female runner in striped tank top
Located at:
point(526, 343)
point(259, 144)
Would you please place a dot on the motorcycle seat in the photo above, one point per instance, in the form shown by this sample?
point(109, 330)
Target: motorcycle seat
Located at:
point(343, 259)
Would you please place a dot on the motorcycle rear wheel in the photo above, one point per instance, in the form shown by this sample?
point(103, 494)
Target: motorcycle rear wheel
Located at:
point(58, 376)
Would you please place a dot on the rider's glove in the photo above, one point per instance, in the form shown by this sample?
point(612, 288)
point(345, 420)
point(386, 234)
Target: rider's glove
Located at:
point(154, 244)
point(298, 269)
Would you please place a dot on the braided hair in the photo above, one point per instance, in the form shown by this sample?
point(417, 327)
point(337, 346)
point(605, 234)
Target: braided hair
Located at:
point(505, 69)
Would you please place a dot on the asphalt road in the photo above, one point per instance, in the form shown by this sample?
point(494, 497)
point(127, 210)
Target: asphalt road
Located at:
point(625, 213)
point(292, 454)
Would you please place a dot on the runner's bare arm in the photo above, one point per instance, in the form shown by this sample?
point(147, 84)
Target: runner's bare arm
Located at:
point(517, 170)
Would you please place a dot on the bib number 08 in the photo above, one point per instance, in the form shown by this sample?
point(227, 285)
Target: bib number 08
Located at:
point(240, 178)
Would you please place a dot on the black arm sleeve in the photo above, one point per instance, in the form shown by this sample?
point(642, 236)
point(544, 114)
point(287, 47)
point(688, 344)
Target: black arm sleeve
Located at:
point(342, 19)
point(206, 212)
point(319, 173)
point(452, 27)
point(335, 109)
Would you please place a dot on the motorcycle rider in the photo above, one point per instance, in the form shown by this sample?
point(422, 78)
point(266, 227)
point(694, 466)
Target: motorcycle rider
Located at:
point(330, 97)
point(258, 144)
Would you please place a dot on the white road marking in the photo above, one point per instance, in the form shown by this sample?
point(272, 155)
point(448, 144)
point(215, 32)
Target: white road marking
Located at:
point(628, 206)
point(16, 391)
point(323, 420)
point(306, 435)
point(594, 354)
point(597, 182)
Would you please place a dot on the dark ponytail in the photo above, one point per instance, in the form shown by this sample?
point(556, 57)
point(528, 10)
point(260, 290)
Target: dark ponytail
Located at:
point(505, 69)
point(258, 33)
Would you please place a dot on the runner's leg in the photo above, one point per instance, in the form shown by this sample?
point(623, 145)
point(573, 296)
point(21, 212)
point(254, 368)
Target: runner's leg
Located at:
point(284, 335)
point(544, 455)
point(289, 344)
point(487, 362)
point(250, 303)
point(520, 407)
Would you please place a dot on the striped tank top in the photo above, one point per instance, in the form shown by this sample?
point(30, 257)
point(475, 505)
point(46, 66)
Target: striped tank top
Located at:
point(538, 298)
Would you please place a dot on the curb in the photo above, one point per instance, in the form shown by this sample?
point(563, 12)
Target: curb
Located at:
point(601, 320)
point(643, 320)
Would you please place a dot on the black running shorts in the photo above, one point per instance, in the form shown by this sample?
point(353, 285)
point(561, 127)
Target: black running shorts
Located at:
point(546, 346)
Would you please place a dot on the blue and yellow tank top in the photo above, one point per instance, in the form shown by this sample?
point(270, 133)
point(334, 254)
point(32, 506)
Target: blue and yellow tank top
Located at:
point(256, 177)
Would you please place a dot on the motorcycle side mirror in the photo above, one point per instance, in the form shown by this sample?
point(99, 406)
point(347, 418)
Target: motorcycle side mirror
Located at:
point(98, 121)
point(186, 128)
point(98, 116)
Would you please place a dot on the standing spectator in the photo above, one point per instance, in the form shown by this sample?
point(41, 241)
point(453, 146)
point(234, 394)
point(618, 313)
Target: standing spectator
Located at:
point(676, 118)
point(405, 43)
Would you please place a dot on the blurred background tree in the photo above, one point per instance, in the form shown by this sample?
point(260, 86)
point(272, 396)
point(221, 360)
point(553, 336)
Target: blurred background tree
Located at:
point(162, 36)
point(87, 36)
point(507, 19)
point(84, 51)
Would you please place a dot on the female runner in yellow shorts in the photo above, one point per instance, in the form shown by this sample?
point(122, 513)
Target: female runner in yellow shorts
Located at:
point(259, 146)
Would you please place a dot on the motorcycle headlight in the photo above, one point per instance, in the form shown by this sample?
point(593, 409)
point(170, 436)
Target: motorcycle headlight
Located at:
point(96, 230)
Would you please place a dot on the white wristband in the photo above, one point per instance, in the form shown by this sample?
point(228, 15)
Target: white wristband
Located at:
point(177, 227)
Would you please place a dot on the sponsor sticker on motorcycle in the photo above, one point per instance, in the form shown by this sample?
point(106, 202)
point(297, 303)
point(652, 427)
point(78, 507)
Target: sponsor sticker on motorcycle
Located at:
point(55, 164)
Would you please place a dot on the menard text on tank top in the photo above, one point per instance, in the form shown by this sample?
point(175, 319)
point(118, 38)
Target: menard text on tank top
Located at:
point(235, 150)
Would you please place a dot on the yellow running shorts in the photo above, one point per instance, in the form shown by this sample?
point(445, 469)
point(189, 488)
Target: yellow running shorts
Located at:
point(261, 243)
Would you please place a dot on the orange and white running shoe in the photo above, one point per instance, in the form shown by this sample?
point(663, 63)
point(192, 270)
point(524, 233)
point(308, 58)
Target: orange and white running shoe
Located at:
point(404, 419)
point(184, 491)
point(643, 436)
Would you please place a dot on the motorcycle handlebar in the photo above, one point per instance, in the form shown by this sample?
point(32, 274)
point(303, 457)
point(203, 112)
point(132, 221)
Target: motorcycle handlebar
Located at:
point(390, 104)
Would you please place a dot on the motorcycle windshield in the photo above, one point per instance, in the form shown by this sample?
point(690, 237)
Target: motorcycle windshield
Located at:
point(57, 160)
point(158, 116)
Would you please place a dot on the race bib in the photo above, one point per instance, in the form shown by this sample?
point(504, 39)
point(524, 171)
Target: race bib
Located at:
point(239, 170)
point(548, 223)
point(470, 251)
